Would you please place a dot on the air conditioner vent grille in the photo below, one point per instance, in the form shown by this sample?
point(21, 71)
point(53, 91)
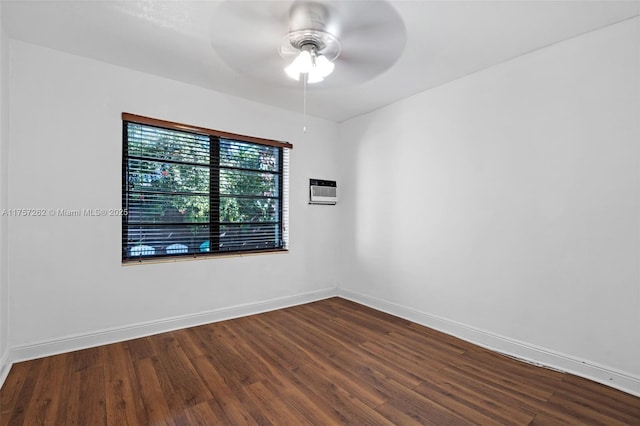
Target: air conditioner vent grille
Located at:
point(322, 191)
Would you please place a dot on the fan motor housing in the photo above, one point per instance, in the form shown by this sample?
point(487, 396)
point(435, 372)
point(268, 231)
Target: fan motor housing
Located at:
point(325, 43)
point(305, 15)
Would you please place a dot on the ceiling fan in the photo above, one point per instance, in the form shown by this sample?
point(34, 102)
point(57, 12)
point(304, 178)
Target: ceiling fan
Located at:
point(310, 43)
point(339, 43)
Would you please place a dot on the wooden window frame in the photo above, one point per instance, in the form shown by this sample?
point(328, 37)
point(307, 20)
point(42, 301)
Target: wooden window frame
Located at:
point(214, 222)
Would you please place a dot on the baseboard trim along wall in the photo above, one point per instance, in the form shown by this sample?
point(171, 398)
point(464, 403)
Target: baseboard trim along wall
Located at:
point(523, 351)
point(526, 352)
point(5, 366)
point(104, 337)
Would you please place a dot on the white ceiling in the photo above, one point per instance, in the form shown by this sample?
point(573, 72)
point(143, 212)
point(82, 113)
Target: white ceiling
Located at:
point(445, 40)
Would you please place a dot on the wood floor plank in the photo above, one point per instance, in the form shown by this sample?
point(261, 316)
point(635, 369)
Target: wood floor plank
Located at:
point(345, 306)
point(202, 415)
point(70, 405)
point(220, 343)
point(501, 376)
point(44, 404)
point(306, 408)
point(311, 336)
point(331, 362)
point(140, 348)
point(359, 359)
point(351, 384)
point(270, 338)
point(122, 390)
point(595, 401)
point(92, 407)
point(457, 403)
point(411, 339)
point(523, 370)
point(586, 389)
point(335, 399)
point(584, 412)
point(25, 393)
point(87, 358)
point(11, 390)
point(175, 370)
point(314, 391)
point(323, 322)
point(483, 402)
point(547, 419)
point(415, 405)
point(152, 394)
point(501, 396)
point(257, 356)
point(191, 344)
point(313, 345)
point(272, 406)
point(225, 403)
point(399, 416)
point(422, 368)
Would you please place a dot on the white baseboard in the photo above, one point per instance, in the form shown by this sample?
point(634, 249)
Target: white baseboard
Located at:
point(527, 352)
point(524, 351)
point(5, 366)
point(104, 337)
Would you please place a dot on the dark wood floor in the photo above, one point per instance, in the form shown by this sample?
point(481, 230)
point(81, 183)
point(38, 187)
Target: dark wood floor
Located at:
point(329, 362)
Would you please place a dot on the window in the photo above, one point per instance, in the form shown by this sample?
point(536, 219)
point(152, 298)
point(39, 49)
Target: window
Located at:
point(189, 191)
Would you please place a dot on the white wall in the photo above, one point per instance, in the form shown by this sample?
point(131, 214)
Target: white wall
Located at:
point(4, 173)
point(504, 206)
point(66, 276)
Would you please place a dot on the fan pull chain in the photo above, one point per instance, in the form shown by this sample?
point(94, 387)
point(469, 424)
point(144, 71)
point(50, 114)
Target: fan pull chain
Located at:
point(304, 102)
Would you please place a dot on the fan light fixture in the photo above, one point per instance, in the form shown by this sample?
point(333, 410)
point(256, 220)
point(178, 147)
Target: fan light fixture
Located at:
point(314, 51)
point(312, 48)
point(316, 66)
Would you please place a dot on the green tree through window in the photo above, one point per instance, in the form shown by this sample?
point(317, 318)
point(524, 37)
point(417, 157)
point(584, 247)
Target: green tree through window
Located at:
point(189, 194)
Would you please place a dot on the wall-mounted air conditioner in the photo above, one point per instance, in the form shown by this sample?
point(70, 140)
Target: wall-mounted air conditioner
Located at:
point(322, 191)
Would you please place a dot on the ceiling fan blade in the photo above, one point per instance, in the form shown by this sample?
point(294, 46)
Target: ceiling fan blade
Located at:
point(243, 33)
point(251, 36)
point(371, 29)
